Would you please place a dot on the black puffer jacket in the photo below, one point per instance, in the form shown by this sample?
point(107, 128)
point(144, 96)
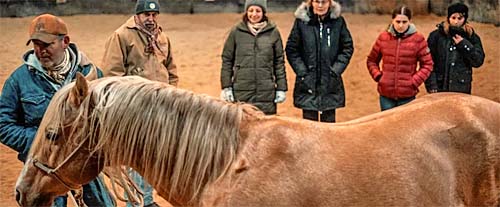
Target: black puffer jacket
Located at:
point(319, 52)
point(453, 63)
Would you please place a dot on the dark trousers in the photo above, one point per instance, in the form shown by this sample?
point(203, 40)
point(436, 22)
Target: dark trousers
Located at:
point(389, 103)
point(322, 116)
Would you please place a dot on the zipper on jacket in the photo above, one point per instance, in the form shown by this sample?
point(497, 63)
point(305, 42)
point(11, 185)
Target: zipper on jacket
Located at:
point(255, 48)
point(328, 35)
point(320, 30)
point(317, 85)
point(396, 70)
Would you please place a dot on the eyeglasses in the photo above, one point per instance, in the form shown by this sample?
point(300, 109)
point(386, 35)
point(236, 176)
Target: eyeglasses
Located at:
point(319, 2)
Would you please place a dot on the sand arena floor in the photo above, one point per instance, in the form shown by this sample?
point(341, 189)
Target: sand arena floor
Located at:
point(197, 42)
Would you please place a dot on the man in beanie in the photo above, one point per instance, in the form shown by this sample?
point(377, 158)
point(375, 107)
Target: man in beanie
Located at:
point(52, 63)
point(140, 47)
point(455, 48)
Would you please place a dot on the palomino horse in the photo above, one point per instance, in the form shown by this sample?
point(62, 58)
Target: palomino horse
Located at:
point(441, 150)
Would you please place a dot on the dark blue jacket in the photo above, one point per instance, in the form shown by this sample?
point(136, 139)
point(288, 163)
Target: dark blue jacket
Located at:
point(25, 97)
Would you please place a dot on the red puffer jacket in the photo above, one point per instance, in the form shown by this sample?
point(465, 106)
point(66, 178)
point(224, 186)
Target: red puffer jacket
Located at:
point(399, 77)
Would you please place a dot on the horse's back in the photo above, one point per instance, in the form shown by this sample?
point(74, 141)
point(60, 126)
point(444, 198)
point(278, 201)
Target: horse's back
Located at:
point(441, 150)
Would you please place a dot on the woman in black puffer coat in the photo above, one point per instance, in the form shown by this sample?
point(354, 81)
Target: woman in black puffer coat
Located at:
point(319, 49)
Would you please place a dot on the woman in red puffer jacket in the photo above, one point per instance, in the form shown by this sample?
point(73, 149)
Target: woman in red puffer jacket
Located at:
point(400, 48)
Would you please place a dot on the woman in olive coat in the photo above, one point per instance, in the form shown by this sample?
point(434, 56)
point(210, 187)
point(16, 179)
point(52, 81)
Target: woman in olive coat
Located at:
point(319, 49)
point(253, 67)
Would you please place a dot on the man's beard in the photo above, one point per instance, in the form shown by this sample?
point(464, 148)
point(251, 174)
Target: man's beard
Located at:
point(151, 26)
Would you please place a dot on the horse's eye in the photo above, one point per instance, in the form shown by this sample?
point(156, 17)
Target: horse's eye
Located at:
point(51, 135)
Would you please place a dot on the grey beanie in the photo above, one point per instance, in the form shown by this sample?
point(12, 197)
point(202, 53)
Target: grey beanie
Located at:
point(261, 3)
point(147, 6)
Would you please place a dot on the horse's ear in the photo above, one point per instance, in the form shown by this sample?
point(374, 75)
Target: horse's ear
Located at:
point(79, 91)
point(92, 75)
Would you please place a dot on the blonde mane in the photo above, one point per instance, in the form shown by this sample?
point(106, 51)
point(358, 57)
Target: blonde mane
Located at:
point(182, 141)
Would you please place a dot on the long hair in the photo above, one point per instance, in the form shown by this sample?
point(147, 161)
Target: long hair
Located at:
point(180, 140)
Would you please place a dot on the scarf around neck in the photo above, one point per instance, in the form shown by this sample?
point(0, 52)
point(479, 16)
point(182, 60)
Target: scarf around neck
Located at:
point(59, 72)
point(255, 28)
point(153, 45)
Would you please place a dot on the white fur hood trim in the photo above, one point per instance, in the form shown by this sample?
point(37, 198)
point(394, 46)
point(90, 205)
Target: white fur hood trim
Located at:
point(303, 10)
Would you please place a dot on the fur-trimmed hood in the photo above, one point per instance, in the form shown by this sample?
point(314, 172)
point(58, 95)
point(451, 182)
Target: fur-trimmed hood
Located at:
point(444, 27)
point(303, 13)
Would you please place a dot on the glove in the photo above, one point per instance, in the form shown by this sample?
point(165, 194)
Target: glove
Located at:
point(227, 94)
point(280, 97)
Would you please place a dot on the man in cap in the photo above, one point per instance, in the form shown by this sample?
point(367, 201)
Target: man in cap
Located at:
point(140, 47)
point(52, 63)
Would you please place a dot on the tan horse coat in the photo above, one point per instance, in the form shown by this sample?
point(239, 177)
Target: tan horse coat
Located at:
point(440, 150)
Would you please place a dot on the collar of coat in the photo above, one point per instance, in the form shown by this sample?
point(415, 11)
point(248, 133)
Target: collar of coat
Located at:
point(243, 27)
point(411, 30)
point(303, 11)
point(132, 25)
point(444, 27)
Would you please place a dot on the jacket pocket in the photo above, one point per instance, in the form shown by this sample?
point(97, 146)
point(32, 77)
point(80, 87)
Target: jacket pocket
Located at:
point(461, 82)
point(333, 84)
point(305, 84)
point(34, 107)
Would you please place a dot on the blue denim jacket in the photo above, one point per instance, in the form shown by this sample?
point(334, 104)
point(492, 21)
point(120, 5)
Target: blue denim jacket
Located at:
point(25, 97)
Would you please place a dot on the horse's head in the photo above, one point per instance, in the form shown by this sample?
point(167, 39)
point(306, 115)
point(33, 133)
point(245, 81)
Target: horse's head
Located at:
point(61, 158)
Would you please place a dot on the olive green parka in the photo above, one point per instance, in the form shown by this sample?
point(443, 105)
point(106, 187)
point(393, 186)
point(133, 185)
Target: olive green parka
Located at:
point(254, 66)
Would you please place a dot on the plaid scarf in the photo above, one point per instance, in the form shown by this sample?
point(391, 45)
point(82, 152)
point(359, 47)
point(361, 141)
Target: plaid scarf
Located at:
point(153, 46)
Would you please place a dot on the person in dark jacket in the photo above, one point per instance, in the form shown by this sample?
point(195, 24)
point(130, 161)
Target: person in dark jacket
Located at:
point(253, 66)
point(455, 49)
point(52, 63)
point(400, 48)
point(319, 49)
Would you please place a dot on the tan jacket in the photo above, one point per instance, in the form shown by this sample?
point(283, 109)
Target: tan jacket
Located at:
point(124, 55)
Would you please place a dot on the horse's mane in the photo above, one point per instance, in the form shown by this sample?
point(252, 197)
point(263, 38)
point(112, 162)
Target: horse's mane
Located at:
point(182, 140)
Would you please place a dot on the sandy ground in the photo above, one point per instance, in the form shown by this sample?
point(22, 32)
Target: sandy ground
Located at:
point(197, 42)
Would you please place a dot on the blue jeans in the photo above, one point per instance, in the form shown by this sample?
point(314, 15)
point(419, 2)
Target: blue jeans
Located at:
point(94, 194)
point(146, 188)
point(389, 103)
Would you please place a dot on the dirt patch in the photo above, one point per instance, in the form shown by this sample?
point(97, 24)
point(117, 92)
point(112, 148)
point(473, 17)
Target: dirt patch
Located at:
point(197, 42)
